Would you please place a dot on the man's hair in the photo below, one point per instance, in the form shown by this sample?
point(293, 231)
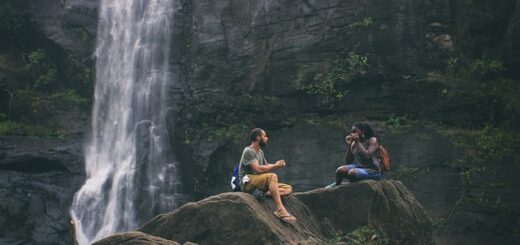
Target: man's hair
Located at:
point(255, 133)
point(365, 127)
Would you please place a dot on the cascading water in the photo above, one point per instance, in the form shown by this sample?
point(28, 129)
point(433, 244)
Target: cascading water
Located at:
point(130, 174)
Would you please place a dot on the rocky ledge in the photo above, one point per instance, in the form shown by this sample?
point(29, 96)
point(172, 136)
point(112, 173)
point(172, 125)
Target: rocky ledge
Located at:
point(238, 218)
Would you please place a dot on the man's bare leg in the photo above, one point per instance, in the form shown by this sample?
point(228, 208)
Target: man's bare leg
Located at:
point(283, 190)
point(275, 193)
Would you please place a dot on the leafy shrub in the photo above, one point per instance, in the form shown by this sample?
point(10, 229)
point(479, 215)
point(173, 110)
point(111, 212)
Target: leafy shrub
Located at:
point(399, 122)
point(328, 87)
point(494, 144)
point(366, 22)
point(478, 69)
point(16, 128)
point(67, 99)
point(486, 67)
point(367, 234)
point(42, 70)
point(234, 132)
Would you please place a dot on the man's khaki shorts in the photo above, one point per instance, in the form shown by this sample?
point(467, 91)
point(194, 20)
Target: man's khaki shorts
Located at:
point(261, 182)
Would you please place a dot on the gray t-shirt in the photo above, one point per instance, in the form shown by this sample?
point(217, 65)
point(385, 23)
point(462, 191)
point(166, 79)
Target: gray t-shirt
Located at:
point(249, 155)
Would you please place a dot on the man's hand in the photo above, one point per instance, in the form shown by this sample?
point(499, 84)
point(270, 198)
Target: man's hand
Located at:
point(280, 164)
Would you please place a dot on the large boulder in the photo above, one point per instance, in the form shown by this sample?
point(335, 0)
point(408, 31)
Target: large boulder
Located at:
point(238, 218)
point(387, 205)
point(134, 238)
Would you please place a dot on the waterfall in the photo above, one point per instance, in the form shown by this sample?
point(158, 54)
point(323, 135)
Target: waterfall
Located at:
point(130, 171)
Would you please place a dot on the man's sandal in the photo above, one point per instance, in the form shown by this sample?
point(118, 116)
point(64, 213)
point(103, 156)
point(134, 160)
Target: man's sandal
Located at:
point(286, 218)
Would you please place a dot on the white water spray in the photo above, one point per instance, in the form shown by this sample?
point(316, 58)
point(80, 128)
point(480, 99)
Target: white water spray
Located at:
point(130, 174)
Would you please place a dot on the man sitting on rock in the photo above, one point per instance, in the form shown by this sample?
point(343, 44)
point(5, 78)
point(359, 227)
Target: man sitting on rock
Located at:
point(254, 174)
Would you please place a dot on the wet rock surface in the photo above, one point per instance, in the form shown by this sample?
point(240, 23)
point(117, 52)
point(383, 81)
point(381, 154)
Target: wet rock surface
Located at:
point(238, 218)
point(38, 179)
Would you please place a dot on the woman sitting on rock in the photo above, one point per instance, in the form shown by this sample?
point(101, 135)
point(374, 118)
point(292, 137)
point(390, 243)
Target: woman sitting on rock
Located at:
point(361, 160)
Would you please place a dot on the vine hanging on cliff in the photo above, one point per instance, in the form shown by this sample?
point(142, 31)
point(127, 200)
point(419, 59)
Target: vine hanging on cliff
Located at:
point(331, 87)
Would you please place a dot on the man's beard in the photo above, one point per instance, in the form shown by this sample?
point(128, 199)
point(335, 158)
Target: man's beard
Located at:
point(262, 143)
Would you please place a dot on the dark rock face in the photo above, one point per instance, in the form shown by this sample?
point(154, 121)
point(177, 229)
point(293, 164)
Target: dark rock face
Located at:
point(70, 24)
point(271, 49)
point(38, 179)
point(238, 218)
point(267, 49)
point(236, 56)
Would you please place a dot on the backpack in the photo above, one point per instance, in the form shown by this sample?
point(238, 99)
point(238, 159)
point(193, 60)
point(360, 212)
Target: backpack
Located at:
point(384, 158)
point(235, 182)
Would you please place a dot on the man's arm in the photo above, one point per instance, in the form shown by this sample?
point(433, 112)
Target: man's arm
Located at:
point(260, 169)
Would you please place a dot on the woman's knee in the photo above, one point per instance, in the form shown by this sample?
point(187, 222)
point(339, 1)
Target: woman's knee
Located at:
point(342, 170)
point(352, 172)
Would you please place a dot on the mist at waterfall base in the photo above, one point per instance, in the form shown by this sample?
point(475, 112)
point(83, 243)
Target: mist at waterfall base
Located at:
point(131, 174)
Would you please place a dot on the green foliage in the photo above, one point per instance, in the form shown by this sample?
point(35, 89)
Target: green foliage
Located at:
point(399, 122)
point(479, 69)
point(330, 87)
point(334, 120)
point(42, 70)
point(79, 32)
point(336, 238)
point(231, 118)
point(488, 144)
point(366, 22)
point(356, 63)
point(362, 235)
point(479, 88)
point(32, 106)
point(234, 132)
point(67, 99)
point(367, 234)
point(404, 172)
point(494, 144)
point(452, 66)
point(325, 85)
point(483, 153)
point(486, 67)
point(80, 75)
point(16, 128)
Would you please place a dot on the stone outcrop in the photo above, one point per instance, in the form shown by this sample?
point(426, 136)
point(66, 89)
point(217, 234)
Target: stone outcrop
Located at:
point(238, 218)
point(135, 238)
